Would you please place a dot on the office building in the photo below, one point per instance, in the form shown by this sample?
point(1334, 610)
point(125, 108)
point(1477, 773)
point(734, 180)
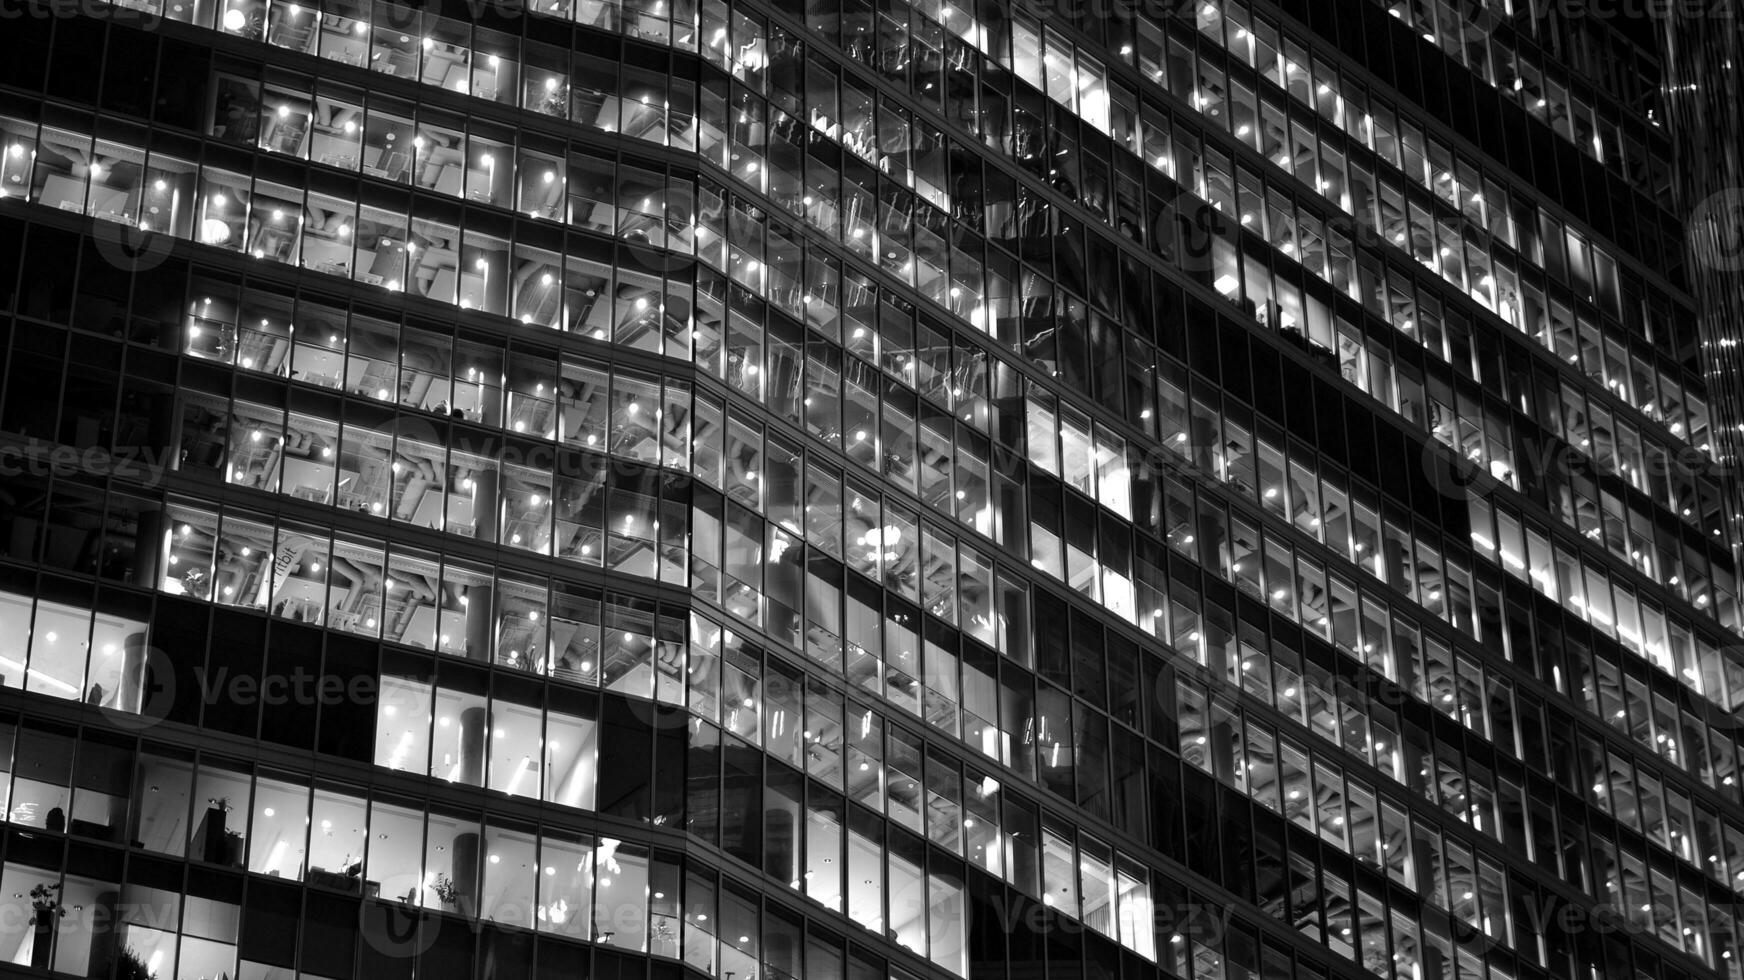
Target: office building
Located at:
point(1701, 87)
point(840, 490)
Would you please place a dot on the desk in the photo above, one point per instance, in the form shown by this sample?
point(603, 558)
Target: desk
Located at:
point(339, 881)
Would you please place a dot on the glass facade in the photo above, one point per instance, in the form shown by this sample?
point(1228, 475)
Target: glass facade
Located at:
point(1701, 84)
point(824, 489)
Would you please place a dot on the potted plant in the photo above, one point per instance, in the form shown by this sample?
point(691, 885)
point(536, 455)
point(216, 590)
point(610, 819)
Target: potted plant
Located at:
point(128, 966)
point(45, 914)
point(446, 892)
